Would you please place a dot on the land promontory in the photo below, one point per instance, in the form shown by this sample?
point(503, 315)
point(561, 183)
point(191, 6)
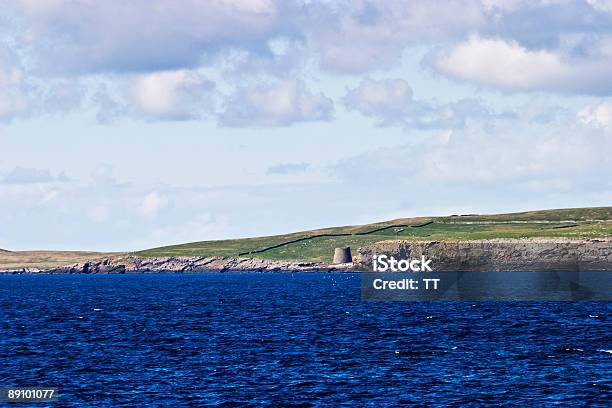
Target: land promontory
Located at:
point(565, 239)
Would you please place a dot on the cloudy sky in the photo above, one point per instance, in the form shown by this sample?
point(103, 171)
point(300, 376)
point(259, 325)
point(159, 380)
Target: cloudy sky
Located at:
point(138, 123)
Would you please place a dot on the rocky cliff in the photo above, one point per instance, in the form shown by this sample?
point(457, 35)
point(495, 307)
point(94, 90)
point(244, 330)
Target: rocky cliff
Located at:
point(532, 254)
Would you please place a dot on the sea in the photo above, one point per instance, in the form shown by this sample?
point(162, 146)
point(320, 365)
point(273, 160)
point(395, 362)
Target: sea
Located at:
point(292, 339)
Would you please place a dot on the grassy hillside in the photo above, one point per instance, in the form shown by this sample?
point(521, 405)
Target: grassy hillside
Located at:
point(565, 223)
point(45, 259)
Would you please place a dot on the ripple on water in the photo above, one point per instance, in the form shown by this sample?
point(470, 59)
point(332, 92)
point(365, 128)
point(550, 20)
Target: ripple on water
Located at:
point(292, 339)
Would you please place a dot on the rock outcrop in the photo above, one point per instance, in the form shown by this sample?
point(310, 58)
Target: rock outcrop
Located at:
point(129, 264)
point(534, 254)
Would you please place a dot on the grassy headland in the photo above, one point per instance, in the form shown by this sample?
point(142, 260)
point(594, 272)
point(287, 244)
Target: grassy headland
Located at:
point(565, 223)
point(45, 259)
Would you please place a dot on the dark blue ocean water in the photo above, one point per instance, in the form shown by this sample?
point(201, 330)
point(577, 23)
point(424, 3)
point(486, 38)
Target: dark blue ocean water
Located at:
point(282, 339)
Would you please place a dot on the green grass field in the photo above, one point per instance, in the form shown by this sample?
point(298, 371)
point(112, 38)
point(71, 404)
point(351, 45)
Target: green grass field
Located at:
point(565, 223)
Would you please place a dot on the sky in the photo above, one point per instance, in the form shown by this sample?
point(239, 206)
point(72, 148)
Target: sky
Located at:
point(133, 124)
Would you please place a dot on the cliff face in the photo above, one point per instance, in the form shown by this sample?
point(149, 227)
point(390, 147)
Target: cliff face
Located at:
point(496, 255)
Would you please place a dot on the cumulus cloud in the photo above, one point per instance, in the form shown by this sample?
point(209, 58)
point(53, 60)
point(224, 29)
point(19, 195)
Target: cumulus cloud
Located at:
point(172, 95)
point(384, 99)
point(283, 57)
point(14, 100)
point(346, 36)
point(505, 5)
point(598, 116)
point(61, 96)
point(476, 159)
point(27, 175)
point(25, 95)
point(12, 104)
point(158, 96)
point(353, 37)
point(84, 37)
point(511, 66)
point(154, 70)
point(9, 73)
point(604, 5)
point(391, 103)
point(288, 168)
point(278, 104)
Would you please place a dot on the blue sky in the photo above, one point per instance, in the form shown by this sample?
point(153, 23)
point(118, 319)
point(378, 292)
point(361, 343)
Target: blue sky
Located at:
point(131, 124)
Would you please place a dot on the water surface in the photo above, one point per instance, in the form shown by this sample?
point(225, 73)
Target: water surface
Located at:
point(292, 339)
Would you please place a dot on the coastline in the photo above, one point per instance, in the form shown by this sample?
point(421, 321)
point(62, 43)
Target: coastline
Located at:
point(179, 264)
point(524, 254)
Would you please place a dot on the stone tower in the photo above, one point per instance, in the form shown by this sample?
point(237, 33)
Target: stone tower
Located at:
point(342, 255)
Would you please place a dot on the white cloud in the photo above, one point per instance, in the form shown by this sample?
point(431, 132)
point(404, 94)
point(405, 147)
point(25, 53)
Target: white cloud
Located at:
point(10, 75)
point(279, 104)
point(33, 7)
point(284, 58)
point(65, 36)
point(13, 98)
point(478, 161)
point(603, 5)
point(598, 116)
point(514, 5)
point(353, 37)
point(505, 5)
point(172, 95)
point(509, 65)
point(12, 104)
point(250, 6)
point(391, 102)
point(383, 99)
point(60, 96)
point(155, 71)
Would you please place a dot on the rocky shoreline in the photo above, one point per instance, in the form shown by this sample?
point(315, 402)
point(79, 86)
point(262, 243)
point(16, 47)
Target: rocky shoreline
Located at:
point(137, 264)
point(533, 254)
